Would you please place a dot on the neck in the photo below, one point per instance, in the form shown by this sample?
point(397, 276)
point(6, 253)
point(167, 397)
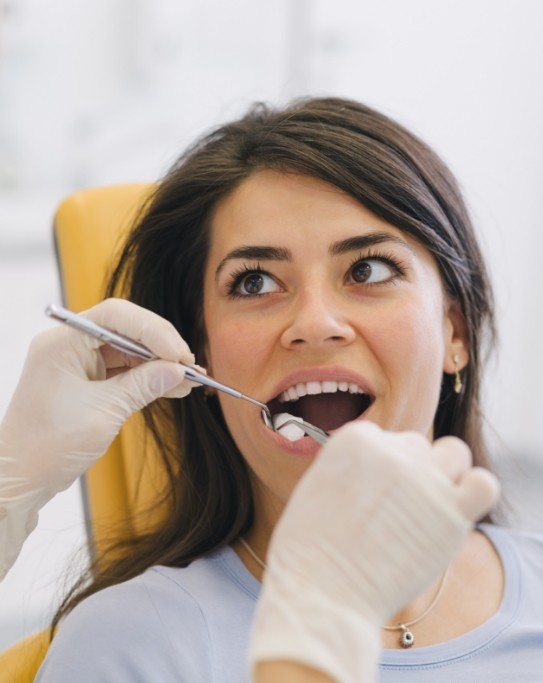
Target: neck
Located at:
point(268, 510)
point(258, 544)
point(472, 595)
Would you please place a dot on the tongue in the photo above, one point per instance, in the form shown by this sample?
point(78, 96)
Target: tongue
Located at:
point(329, 411)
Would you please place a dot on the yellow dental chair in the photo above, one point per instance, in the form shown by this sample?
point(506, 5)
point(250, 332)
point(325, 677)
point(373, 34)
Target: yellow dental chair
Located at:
point(88, 230)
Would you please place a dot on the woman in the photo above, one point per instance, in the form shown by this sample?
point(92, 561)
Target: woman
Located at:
point(321, 260)
point(289, 642)
point(73, 420)
point(321, 638)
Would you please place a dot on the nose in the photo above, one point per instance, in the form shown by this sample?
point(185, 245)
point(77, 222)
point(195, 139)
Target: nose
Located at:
point(317, 320)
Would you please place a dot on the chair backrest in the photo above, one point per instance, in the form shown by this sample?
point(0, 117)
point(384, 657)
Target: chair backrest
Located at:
point(20, 663)
point(89, 230)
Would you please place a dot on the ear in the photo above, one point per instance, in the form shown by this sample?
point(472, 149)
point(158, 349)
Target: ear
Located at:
point(456, 339)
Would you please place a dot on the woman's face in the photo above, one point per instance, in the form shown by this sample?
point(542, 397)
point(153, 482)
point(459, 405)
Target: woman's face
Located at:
point(316, 306)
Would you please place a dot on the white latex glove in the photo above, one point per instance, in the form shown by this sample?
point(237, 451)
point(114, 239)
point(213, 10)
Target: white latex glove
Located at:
point(59, 423)
point(377, 517)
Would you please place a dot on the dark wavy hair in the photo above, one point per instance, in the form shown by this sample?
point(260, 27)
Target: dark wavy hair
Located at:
point(363, 153)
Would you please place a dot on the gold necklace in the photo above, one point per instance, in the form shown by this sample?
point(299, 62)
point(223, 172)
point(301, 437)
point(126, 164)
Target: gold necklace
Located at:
point(407, 639)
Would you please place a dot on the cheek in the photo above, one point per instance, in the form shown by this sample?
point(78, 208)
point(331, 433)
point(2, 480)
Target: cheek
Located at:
point(221, 349)
point(410, 347)
point(411, 330)
point(235, 349)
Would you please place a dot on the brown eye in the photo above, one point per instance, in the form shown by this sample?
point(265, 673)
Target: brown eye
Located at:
point(361, 271)
point(372, 271)
point(253, 283)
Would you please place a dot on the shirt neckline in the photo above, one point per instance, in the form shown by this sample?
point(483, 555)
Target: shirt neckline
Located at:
point(432, 655)
point(231, 564)
point(481, 636)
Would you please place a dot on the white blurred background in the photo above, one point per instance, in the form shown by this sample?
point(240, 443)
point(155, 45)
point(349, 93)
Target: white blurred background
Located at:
point(109, 91)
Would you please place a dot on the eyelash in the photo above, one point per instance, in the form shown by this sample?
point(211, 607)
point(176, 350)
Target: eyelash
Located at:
point(240, 273)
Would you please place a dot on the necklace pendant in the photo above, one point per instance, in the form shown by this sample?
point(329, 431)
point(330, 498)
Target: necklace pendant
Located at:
point(407, 639)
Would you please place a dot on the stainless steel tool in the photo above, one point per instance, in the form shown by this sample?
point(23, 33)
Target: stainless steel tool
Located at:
point(133, 348)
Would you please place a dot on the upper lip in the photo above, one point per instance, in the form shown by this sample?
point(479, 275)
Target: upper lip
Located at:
point(321, 374)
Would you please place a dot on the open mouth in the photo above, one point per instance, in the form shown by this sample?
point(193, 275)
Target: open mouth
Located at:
point(328, 404)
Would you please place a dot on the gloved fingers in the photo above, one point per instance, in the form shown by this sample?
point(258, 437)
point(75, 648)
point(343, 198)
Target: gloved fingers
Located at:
point(140, 325)
point(116, 362)
point(477, 493)
point(184, 389)
point(452, 456)
point(117, 366)
point(141, 385)
point(449, 454)
point(362, 452)
point(366, 446)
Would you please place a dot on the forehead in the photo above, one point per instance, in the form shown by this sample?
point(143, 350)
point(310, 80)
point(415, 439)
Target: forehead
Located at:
point(273, 206)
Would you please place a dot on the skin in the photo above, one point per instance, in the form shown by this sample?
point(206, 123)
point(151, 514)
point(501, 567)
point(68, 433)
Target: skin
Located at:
point(394, 334)
point(311, 324)
point(289, 672)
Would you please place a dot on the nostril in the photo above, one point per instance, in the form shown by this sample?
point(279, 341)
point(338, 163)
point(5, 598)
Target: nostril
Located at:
point(306, 330)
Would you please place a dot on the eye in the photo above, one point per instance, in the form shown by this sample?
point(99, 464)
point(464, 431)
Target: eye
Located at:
point(250, 283)
point(372, 271)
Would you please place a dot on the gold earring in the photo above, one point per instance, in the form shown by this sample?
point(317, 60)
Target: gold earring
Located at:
point(458, 384)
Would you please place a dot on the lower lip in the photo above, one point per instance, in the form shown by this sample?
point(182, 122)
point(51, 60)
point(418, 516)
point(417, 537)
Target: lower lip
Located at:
point(306, 447)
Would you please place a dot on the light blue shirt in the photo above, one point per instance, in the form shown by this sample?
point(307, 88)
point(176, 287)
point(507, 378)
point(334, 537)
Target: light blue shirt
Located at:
point(193, 625)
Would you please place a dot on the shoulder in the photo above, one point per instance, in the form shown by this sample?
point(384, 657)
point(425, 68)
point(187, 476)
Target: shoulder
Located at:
point(521, 554)
point(152, 627)
point(529, 544)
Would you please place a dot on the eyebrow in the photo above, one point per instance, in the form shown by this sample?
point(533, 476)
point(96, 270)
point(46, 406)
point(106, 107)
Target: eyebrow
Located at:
point(365, 241)
point(256, 254)
point(268, 253)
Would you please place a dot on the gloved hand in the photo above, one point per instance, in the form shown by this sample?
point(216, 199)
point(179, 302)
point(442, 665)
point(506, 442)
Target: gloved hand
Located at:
point(70, 403)
point(346, 554)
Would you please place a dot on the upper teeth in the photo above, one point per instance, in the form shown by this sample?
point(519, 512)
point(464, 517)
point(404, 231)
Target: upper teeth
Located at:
point(296, 391)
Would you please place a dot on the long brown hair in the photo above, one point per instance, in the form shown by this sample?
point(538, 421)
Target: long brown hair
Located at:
point(366, 155)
